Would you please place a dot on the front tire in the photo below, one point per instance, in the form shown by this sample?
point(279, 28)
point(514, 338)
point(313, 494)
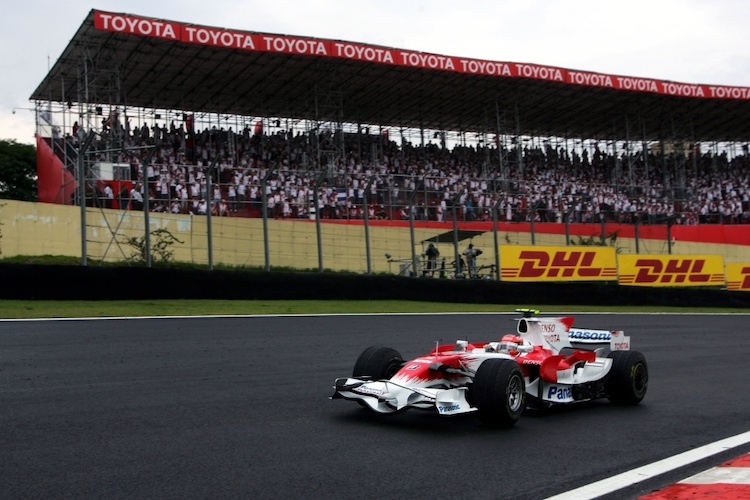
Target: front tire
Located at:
point(378, 363)
point(499, 392)
point(627, 381)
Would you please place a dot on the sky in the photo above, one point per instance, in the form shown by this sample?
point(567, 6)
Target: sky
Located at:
point(688, 41)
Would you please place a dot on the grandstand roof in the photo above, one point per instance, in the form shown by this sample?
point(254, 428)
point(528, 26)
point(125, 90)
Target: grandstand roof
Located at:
point(137, 61)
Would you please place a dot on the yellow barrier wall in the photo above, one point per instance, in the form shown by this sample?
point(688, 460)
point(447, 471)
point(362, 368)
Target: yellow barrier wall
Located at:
point(34, 229)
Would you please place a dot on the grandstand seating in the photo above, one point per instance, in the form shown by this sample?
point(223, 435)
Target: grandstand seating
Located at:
point(543, 183)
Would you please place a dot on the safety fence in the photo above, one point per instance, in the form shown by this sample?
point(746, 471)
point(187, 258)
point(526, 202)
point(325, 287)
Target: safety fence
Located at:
point(436, 249)
point(422, 249)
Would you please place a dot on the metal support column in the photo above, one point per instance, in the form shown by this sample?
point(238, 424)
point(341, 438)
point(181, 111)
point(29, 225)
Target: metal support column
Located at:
point(366, 216)
point(519, 142)
point(458, 267)
point(495, 217)
point(317, 220)
point(146, 208)
point(413, 195)
point(209, 202)
point(82, 193)
point(264, 214)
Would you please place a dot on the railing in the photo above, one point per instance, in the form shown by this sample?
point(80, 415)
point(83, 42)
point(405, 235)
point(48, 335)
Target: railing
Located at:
point(449, 212)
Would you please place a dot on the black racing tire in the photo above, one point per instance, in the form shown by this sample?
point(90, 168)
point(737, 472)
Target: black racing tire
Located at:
point(499, 392)
point(627, 381)
point(378, 363)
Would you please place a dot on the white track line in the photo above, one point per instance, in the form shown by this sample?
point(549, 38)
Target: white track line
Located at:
point(629, 478)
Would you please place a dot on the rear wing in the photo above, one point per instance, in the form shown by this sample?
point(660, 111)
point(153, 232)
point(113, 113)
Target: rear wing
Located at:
point(616, 339)
point(558, 333)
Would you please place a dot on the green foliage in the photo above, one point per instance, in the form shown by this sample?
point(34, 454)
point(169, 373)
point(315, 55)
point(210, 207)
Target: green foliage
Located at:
point(161, 247)
point(47, 260)
point(17, 171)
point(597, 240)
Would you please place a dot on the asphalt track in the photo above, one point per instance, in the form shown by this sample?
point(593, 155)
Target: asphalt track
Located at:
point(239, 408)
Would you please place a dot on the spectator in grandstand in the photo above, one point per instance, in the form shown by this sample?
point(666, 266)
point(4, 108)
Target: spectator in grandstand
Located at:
point(109, 195)
point(136, 197)
point(223, 209)
point(124, 198)
point(469, 213)
point(232, 196)
point(201, 207)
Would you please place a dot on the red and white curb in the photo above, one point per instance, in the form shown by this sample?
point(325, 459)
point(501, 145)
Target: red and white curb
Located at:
point(730, 480)
point(650, 471)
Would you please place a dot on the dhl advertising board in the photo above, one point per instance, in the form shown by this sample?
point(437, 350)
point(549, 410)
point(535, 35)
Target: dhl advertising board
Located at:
point(738, 276)
point(671, 270)
point(548, 263)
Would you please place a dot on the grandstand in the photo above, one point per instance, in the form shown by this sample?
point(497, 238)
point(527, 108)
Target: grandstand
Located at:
point(165, 116)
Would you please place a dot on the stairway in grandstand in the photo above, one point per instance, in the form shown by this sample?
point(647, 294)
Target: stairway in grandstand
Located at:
point(56, 160)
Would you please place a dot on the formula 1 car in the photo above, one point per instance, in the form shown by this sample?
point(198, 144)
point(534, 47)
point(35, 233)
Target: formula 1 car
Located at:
point(545, 363)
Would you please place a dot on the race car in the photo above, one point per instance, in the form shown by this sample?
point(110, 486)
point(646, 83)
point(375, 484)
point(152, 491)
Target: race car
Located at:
point(546, 362)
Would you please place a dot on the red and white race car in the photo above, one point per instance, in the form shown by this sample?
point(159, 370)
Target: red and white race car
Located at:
point(546, 362)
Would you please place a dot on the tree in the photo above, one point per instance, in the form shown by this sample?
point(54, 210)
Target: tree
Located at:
point(161, 243)
point(17, 171)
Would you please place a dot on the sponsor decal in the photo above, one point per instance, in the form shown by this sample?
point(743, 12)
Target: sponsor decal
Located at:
point(657, 270)
point(738, 277)
point(491, 68)
point(622, 346)
point(527, 361)
point(363, 389)
point(362, 52)
point(552, 338)
point(539, 72)
point(539, 263)
point(601, 335)
point(429, 61)
point(560, 393)
point(446, 409)
point(590, 79)
point(133, 25)
point(682, 89)
point(288, 45)
point(218, 38)
point(729, 92)
point(412, 367)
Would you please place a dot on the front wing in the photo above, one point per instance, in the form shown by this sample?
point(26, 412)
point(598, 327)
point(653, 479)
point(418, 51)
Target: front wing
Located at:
point(384, 396)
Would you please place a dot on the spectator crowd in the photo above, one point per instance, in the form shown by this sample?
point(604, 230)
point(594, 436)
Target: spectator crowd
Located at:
point(372, 176)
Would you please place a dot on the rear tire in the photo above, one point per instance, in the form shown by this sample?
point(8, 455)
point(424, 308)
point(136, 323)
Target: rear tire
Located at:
point(378, 363)
point(627, 381)
point(499, 392)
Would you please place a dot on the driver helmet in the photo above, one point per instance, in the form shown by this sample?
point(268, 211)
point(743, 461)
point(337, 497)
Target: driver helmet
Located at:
point(509, 343)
